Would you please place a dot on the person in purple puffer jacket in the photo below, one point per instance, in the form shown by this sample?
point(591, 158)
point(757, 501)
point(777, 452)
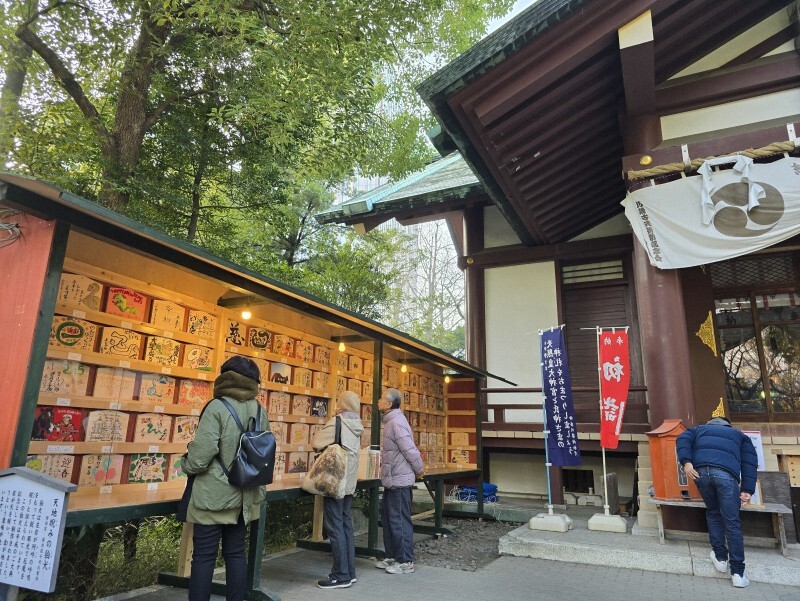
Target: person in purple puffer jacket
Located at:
point(401, 463)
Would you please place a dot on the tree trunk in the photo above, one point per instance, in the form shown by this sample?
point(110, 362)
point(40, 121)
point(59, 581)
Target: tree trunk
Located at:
point(15, 70)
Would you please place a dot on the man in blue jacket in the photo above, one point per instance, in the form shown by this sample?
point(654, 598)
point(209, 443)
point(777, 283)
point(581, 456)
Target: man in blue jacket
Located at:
point(723, 463)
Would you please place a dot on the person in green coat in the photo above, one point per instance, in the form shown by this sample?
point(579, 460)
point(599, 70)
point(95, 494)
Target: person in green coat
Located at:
point(218, 510)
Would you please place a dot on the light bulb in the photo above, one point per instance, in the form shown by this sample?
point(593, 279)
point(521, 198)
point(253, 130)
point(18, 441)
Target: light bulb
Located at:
point(403, 368)
point(342, 347)
point(246, 314)
point(447, 379)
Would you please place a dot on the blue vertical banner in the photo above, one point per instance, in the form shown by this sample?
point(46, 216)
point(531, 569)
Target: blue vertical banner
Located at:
point(562, 441)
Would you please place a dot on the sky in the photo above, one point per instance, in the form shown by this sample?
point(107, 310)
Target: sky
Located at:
point(519, 6)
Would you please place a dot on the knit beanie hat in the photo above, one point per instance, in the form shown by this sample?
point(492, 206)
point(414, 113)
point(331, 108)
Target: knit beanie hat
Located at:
point(348, 401)
point(242, 366)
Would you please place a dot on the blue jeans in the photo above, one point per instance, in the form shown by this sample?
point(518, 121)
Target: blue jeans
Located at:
point(339, 528)
point(398, 532)
point(206, 544)
point(720, 491)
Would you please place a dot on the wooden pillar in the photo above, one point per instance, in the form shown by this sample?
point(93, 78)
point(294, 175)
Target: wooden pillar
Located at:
point(474, 281)
point(665, 344)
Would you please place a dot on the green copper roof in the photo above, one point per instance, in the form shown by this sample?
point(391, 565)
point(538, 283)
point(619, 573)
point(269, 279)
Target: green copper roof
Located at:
point(447, 178)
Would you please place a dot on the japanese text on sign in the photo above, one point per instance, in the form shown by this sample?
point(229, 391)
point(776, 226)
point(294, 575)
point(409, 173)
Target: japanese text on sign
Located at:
point(562, 440)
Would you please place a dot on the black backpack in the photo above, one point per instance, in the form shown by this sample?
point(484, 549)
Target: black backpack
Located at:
point(255, 457)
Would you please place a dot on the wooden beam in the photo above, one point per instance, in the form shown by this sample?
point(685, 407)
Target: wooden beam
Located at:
point(638, 64)
point(764, 76)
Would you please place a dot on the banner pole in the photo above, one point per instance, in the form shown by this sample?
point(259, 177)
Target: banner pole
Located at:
point(602, 448)
point(546, 433)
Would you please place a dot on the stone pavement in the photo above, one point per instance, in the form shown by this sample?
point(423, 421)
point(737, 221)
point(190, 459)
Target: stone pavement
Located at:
point(293, 576)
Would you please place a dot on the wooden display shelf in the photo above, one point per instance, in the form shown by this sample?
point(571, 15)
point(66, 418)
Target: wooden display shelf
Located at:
point(106, 319)
point(460, 412)
point(289, 477)
point(276, 358)
point(109, 277)
point(302, 419)
point(294, 448)
point(133, 364)
point(317, 392)
point(353, 375)
point(471, 447)
point(88, 402)
point(461, 395)
point(94, 497)
point(467, 430)
point(47, 447)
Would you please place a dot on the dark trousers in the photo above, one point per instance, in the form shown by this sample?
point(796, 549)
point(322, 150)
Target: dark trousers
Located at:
point(206, 545)
point(398, 533)
point(339, 529)
point(720, 491)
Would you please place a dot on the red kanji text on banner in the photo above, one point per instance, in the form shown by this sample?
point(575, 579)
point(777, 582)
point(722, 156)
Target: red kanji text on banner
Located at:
point(615, 379)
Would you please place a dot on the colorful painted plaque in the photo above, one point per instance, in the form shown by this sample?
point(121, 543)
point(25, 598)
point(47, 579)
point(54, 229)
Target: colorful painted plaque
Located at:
point(175, 471)
point(80, 291)
point(119, 342)
point(115, 383)
point(202, 324)
point(163, 351)
point(167, 315)
point(304, 351)
point(195, 392)
point(259, 338)
point(184, 428)
point(73, 334)
point(459, 456)
point(57, 424)
point(126, 303)
point(100, 470)
point(152, 427)
point(298, 434)
point(63, 377)
point(147, 468)
point(280, 373)
point(157, 388)
point(283, 345)
point(198, 357)
point(107, 426)
point(55, 466)
point(297, 462)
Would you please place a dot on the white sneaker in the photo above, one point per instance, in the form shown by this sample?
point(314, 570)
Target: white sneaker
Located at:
point(384, 563)
point(721, 566)
point(400, 568)
point(739, 581)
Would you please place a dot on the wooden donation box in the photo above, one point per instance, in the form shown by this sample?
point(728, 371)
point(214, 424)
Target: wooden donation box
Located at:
point(669, 480)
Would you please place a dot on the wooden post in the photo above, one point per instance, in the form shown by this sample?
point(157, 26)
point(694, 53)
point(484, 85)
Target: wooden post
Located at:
point(186, 550)
point(317, 527)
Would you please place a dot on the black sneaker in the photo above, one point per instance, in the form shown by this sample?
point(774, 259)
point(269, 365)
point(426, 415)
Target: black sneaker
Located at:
point(333, 583)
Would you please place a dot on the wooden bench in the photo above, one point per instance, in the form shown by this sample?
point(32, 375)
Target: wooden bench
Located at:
point(775, 509)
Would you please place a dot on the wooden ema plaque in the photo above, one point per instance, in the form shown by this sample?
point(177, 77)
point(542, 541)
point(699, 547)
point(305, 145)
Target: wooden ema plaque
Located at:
point(115, 383)
point(322, 355)
point(73, 334)
point(167, 315)
point(259, 339)
point(235, 333)
point(122, 343)
point(297, 462)
point(459, 439)
point(366, 413)
point(80, 292)
point(198, 357)
point(319, 380)
point(195, 393)
point(459, 456)
point(354, 385)
point(150, 467)
point(58, 424)
point(313, 430)
point(278, 431)
point(366, 391)
point(163, 351)
point(201, 324)
point(368, 369)
point(157, 388)
point(279, 403)
point(302, 377)
point(152, 427)
point(354, 364)
point(107, 426)
point(304, 351)
point(184, 428)
point(175, 470)
point(64, 377)
point(100, 470)
point(301, 405)
point(299, 434)
point(341, 384)
point(280, 464)
point(342, 362)
point(319, 407)
point(60, 467)
point(126, 303)
point(283, 345)
point(280, 373)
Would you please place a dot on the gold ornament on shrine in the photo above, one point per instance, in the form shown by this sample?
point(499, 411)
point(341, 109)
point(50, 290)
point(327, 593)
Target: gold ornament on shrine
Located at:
point(720, 410)
point(706, 334)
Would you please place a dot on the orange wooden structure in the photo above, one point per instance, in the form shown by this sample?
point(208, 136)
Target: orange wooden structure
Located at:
point(669, 480)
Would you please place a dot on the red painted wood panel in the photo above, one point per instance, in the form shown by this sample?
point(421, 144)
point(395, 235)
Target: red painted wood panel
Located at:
point(23, 266)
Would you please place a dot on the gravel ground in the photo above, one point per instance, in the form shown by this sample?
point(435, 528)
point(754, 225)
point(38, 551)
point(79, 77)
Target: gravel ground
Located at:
point(471, 546)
